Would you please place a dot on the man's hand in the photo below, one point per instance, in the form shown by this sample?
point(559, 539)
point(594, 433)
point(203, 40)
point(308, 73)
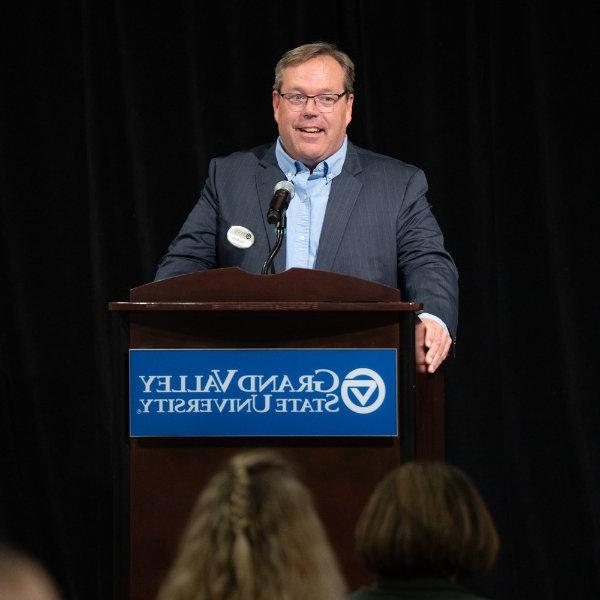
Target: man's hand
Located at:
point(432, 345)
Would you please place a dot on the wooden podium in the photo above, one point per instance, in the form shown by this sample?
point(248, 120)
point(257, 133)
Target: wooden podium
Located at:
point(229, 308)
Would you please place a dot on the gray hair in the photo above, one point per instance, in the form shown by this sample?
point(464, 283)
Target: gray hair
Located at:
point(304, 53)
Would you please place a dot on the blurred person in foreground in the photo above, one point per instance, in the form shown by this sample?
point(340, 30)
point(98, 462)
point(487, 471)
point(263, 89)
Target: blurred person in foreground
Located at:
point(254, 534)
point(23, 578)
point(424, 529)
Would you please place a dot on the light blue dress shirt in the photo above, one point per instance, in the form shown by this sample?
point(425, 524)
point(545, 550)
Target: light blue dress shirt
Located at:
point(306, 211)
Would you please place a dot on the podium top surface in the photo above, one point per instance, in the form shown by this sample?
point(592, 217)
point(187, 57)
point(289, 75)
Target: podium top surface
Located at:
point(295, 289)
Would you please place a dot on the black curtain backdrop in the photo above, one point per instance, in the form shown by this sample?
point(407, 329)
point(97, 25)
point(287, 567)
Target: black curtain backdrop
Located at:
point(109, 114)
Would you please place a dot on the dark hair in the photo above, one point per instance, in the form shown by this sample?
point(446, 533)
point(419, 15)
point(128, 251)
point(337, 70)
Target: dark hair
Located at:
point(427, 518)
point(254, 534)
point(301, 54)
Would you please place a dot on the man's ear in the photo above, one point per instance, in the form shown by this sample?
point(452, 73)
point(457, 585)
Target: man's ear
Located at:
point(349, 106)
point(276, 101)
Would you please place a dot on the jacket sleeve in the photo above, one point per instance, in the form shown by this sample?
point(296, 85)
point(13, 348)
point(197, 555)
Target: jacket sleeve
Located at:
point(195, 246)
point(426, 270)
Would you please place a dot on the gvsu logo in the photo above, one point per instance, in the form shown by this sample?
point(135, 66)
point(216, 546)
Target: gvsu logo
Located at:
point(363, 391)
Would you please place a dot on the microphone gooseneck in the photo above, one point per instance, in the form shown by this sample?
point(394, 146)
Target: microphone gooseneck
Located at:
point(282, 194)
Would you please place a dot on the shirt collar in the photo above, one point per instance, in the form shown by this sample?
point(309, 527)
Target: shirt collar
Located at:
point(328, 168)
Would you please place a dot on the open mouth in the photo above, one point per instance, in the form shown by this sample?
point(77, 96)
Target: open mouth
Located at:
point(310, 130)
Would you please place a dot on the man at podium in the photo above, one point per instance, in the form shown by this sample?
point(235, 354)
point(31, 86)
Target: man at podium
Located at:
point(347, 210)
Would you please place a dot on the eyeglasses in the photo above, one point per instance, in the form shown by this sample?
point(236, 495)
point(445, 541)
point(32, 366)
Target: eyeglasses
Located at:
point(324, 102)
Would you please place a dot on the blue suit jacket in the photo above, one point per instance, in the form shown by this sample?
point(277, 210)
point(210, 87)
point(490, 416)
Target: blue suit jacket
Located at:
point(378, 225)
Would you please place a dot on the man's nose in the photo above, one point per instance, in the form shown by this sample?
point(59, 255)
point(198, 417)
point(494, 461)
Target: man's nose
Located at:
point(313, 110)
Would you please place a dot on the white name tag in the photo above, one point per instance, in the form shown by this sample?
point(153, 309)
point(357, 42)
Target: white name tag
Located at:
point(240, 237)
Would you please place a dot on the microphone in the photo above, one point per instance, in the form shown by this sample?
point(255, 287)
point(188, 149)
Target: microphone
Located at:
point(282, 194)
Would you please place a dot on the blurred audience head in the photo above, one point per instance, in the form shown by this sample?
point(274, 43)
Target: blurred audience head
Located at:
point(23, 578)
point(254, 534)
point(427, 518)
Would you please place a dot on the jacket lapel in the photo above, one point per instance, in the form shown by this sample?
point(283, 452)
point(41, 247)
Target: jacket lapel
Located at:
point(267, 176)
point(342, 198)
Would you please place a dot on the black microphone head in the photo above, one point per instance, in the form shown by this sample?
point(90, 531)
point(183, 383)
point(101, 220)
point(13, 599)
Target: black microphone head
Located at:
point(286, 185)
point(282, 194)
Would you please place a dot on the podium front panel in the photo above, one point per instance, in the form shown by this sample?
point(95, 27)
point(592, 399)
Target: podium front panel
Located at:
point(167, 474)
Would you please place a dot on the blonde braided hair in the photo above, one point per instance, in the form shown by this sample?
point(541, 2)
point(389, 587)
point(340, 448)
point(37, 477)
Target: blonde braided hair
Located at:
point(241, 554)
point(254, 535)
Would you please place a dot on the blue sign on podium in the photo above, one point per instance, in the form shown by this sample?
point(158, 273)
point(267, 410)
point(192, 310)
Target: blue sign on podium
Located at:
point(266, 392)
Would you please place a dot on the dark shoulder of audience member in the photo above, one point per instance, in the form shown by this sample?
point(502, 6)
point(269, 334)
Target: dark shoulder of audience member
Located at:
point(254, 534)
point(423, 531)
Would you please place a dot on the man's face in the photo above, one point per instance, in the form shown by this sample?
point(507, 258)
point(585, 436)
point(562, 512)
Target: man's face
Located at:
point(309, 135)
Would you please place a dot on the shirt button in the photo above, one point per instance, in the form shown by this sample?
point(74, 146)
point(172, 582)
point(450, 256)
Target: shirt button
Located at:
point(301, 238)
